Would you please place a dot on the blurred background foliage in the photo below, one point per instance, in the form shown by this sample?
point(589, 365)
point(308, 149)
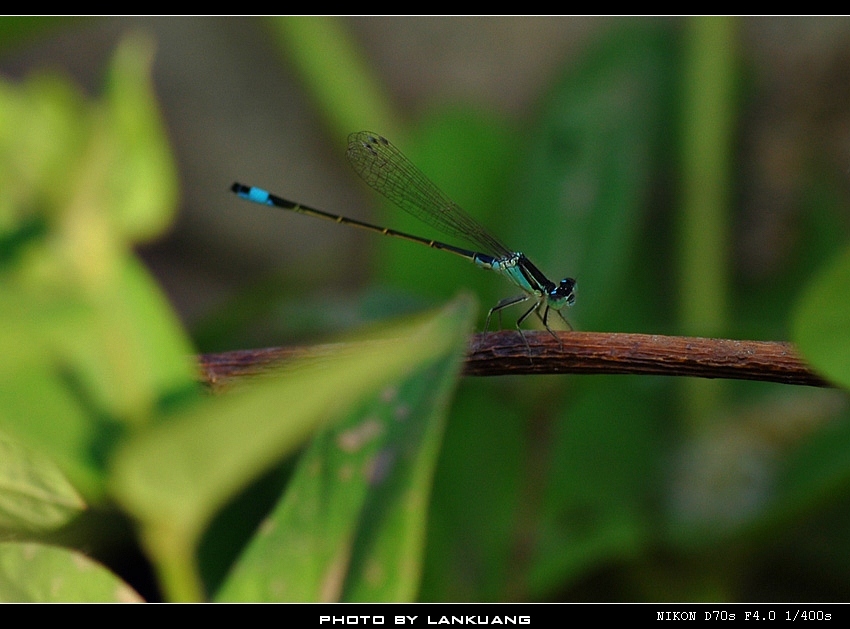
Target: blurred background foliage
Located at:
point(692, 174)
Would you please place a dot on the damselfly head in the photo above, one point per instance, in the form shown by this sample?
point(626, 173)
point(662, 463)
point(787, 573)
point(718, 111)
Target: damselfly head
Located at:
point(564, 292)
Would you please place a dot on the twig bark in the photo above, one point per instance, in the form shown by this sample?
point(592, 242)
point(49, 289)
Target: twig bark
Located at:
point(505, 353)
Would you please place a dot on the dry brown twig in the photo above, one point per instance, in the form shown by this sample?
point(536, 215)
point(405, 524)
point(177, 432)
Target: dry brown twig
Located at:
point(505, 353)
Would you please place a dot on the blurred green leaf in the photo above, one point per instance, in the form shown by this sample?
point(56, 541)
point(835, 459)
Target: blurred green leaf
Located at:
point(818, 469)
point(605, 463)
point(34, 494)
point(44, 124)
point(92, 346)
point(334, 70)
point(467, 153)
point(80, 372)
point(821, 321)
point(142, 180)
point(483, 490)
point(351, 525)
point(174, 476)
point(587, 167)
point(34, 573)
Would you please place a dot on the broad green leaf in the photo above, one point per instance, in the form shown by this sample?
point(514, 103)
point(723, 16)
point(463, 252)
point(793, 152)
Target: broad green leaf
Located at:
point(35, 573)
point(174, 476)
point(131, 351)
point(91, 346)
point(388, 556)
point(586, 171)
point(351, 524)
point(80, 373)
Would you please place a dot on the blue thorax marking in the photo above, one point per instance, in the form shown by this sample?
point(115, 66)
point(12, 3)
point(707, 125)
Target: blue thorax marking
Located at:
point(520, 271)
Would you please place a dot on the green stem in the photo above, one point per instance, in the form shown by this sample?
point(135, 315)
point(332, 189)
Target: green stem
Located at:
point(707, 138)
point(337, 75)
point(173, 557)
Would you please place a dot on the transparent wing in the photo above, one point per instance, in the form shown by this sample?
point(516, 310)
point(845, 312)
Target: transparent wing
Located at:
point(381, 165)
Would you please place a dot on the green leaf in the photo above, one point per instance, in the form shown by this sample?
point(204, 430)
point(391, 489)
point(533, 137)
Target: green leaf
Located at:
point(91, 347)
point(142, 177)
point(821, 321)
point(174, 476)
point(587, 168)
point(35, 573)
point(44, 126)
point(597, 504)
point(34, 494)
point(351, 523)
point(481, 495)
point(79, 373)
point(336, 73)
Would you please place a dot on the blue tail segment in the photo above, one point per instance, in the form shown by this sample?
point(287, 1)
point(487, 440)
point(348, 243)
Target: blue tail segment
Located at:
point(250, 193)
